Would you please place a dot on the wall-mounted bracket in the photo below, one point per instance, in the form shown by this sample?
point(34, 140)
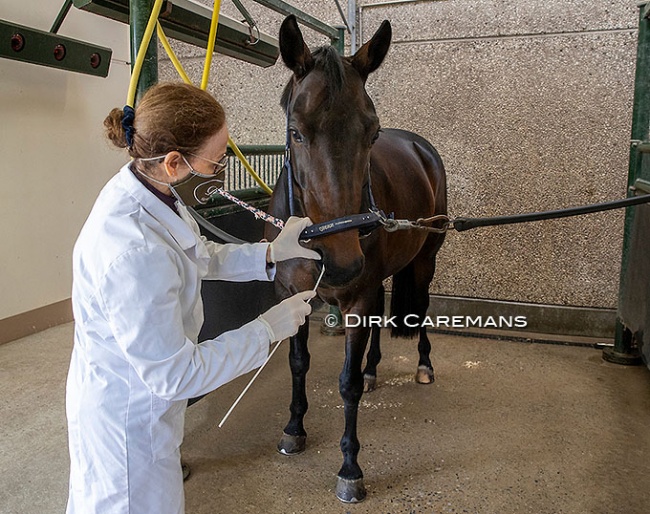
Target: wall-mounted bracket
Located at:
point(26, 44)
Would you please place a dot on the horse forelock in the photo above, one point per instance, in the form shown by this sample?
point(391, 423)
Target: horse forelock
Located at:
point(328, 60)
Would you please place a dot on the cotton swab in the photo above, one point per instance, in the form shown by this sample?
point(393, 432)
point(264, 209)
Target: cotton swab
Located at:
point(322, 272)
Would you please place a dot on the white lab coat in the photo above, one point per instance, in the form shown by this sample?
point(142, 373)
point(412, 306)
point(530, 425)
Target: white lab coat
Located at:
point(137, 271)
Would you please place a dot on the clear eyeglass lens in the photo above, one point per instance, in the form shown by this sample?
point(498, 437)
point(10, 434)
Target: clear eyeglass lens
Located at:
point(219, 165)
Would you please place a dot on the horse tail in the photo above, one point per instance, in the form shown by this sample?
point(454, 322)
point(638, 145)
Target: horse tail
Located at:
point(403, 302)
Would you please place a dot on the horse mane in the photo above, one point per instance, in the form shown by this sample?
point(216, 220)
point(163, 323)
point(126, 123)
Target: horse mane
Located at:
point(329, 61)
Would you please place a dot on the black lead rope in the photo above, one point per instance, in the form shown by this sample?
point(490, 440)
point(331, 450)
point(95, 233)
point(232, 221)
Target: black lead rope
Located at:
point(369, 221)
point(462, 224)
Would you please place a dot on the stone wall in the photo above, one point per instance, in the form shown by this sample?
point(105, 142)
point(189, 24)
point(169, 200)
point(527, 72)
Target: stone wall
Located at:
point(529, 103)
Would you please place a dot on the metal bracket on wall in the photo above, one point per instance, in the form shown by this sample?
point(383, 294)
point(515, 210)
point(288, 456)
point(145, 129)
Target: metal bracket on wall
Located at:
point(189, 22)
point(641, 186)
point(26, 44)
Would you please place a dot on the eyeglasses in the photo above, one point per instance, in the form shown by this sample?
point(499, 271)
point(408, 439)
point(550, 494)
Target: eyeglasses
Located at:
point(219, 165)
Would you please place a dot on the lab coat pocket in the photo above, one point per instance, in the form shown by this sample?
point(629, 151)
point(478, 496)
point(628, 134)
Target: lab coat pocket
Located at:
point(167, 425)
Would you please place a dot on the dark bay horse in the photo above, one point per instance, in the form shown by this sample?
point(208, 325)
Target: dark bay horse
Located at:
point(343, 164)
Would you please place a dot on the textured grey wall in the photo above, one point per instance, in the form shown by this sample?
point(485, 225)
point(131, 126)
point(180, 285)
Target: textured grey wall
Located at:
point(250, 94)
point(529, 103)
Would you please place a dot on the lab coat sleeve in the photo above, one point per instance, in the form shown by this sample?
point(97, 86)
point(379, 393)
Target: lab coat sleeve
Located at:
point(238, 262)
point(140, 296)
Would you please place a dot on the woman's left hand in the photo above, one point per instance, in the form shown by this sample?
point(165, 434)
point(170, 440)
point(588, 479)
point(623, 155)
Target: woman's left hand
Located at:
point(286, 245)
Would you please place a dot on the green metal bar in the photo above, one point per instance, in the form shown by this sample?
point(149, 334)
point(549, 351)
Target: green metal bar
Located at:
point(259, 150)
point(643, 147)
point(244, 12)
point(189, 22)
point(25, 44)
point(345, 21)
point(140, 11)
point(339, 42)
point(640, 132)
point(307, 20)
point(642, 185)
point(61, 16)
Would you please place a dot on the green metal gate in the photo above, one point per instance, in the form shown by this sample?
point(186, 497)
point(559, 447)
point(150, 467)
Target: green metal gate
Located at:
point(633, 317)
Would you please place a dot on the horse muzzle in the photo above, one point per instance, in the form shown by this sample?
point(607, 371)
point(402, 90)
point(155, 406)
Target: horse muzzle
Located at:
point(340, 274)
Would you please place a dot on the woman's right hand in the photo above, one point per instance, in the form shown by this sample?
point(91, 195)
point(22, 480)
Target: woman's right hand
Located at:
point(284, 319)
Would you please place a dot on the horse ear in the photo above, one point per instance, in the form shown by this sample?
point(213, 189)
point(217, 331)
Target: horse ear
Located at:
point(370, 56)
point(294, 51)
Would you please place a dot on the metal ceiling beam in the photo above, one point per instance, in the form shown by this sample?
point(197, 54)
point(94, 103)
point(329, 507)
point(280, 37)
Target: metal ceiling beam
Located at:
point(189, 22)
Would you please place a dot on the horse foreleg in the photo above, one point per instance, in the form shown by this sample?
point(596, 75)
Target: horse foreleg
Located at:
point(350, 488)
point(294, 436)
point(374, 352)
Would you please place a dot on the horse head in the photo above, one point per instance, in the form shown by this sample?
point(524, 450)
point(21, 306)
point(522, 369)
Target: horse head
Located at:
point(331, 127)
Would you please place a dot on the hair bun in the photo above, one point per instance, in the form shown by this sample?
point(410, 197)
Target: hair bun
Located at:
point(114, 129)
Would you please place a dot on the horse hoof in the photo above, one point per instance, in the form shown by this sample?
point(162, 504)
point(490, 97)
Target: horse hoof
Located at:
point(350, 491)
point(424, 375)
point(292, 444)
point(369, 383)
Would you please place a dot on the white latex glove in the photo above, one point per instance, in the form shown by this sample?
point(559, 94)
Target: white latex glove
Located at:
point(283, 320)
point(286, 245)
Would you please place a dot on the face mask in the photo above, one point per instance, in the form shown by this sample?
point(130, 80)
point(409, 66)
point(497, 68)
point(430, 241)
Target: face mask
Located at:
point(196, 188)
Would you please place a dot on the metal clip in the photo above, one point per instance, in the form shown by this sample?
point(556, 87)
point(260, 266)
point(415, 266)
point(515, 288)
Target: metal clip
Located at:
point(394, 225)
point(446, 225)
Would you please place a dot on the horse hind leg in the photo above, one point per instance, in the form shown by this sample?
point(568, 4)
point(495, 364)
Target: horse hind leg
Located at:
point(374, 352)
point(425, 267)
point(411, 298)
point(424, 373)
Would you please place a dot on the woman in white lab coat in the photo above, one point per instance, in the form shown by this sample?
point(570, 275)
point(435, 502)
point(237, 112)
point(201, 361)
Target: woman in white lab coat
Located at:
point(137, 270)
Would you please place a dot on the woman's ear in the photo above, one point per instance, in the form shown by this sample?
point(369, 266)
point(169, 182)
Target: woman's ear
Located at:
point(173, 161)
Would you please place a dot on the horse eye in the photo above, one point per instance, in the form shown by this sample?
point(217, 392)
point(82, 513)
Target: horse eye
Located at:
point(375, 137)
point(296, 136)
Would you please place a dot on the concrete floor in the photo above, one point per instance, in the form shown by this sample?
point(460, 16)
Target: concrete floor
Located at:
point(506, 428)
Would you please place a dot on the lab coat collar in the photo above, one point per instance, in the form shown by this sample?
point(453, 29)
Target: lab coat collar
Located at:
point(178, 228)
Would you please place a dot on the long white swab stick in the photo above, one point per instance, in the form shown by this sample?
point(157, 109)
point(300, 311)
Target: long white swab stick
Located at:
point(249, 384)
point(265, 363)
point(322, 272)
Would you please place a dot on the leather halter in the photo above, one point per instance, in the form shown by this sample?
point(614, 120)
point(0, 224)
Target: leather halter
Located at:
point(364, 222)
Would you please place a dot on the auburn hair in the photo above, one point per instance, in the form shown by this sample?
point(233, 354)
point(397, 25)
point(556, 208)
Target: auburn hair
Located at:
point(170, 116)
